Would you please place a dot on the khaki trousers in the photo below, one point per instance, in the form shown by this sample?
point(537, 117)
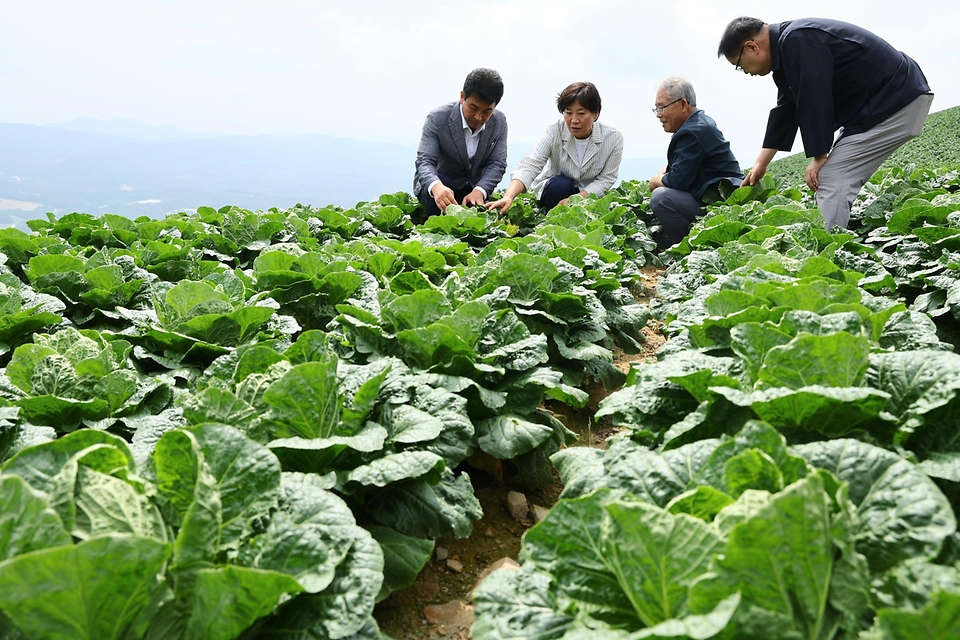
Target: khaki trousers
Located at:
point(854, 159)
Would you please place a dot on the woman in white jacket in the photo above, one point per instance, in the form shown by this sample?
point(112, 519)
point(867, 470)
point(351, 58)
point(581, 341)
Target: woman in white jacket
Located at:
point(577, 154)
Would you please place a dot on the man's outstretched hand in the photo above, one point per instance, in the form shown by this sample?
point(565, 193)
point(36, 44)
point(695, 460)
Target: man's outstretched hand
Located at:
point(444, 197)
point(812, 175)
point(474, 198)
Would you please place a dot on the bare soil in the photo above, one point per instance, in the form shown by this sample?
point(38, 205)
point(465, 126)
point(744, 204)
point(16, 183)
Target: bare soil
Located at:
point(497, 534)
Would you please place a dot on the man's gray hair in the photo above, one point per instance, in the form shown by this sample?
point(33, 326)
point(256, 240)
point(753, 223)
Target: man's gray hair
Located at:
point(677, 88)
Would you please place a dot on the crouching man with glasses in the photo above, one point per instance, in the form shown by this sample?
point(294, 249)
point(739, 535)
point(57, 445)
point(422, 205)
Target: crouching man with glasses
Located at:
point(698, 158)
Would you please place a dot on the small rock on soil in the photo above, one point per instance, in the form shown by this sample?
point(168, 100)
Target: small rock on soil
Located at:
point(517, 505)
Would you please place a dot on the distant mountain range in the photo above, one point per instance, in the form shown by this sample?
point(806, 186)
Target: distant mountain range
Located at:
point(126, 167)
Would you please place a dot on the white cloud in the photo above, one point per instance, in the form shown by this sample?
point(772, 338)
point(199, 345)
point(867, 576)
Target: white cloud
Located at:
point(18, 205)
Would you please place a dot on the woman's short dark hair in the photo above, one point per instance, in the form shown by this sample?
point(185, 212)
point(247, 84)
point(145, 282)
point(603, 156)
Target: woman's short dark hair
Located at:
point(583, 92)
point(737, 32)
point(485, 84)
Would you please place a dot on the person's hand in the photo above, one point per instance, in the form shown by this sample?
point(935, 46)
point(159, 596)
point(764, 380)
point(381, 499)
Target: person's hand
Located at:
point(474, 198)
point(656, 181)
point(444, 197)
point(754, 174)
point(582, 194)
point(812, 175)
point(502, 205)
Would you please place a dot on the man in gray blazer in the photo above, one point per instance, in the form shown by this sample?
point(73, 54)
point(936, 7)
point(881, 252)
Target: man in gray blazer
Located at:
point(463, 148)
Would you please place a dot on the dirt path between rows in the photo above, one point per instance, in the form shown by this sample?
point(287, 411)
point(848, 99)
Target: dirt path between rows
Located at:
point(437, 606)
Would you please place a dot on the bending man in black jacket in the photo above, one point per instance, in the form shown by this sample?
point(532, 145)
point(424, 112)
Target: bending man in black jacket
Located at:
point(831, 75)
point(698, 158)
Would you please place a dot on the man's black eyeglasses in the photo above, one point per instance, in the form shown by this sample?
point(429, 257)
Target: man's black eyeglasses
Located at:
point(658, 110)
point(737, 66)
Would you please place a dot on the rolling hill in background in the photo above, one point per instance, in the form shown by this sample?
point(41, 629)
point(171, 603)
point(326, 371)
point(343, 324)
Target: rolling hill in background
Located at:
point(125, 167)
point(938, 146)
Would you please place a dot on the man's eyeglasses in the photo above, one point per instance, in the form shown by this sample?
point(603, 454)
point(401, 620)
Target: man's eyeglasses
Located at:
point(658, 110)
point(737, 66)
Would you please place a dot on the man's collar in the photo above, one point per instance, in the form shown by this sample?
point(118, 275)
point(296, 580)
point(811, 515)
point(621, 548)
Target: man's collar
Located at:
point(467, 126)
point(690, 117)
point(774, 40)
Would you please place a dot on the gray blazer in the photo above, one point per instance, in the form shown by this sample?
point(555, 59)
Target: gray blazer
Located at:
point(443, 150)
point(556, 153)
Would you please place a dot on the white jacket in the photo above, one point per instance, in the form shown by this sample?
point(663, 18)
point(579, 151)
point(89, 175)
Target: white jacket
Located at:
point(556, 153)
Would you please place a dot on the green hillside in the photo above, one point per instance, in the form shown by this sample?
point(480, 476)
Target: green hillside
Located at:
point(938, 146)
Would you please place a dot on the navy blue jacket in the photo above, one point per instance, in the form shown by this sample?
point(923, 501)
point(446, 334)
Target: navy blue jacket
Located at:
point(832, 74)
point(699, 156)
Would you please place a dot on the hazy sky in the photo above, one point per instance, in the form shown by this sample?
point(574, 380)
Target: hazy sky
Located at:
point(373, 69)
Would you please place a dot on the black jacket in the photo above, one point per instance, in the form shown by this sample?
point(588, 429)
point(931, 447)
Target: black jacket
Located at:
point(699, 156)
point(832, 74)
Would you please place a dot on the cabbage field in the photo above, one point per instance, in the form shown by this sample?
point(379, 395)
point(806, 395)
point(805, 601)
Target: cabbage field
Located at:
point(237, 424)
point(790, 465)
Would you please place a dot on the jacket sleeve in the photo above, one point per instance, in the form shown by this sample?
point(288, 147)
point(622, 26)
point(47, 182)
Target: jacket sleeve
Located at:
point(428, 153)
point(496, 164)
point(781, 124)
point(685, 161)
point(530, 167)
point(611, 166)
